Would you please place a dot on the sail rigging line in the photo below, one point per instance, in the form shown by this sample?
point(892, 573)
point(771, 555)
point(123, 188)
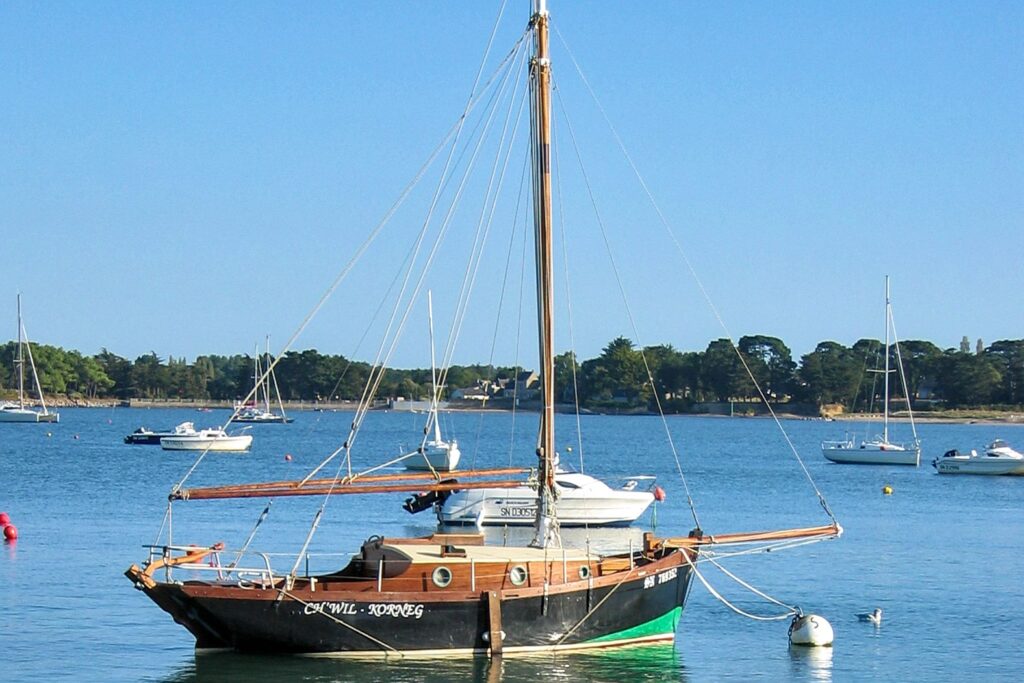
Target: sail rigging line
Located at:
point(486, 221)
point(556, 165)
point(383, 358)
point(453, 131)
point(501, 296)
point(516, 369)
point(319, 514)
point(721, 598)
point(252, 535)
point(903, 377)
point(374, 381)
point(766, 548)
point(693, 273)
point(483, 231)
point(445, 176)
point(378, 367)
point(32, 364)
point(629, 312)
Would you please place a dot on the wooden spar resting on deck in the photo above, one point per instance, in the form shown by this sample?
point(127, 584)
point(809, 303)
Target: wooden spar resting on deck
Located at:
point(831, 530)
point(414, 482)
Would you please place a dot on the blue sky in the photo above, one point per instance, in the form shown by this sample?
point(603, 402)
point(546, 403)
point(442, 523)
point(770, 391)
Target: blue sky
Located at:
point(188, 177)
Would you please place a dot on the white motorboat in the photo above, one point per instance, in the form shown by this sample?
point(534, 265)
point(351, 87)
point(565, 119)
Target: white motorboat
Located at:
point(148, 437)
point(20, 411)
point(879, 450)
point(999, 459)
point(436, 454)
point(582, 500)
point(211, 439)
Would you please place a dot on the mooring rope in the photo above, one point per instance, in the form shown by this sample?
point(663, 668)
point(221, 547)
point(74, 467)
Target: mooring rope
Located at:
point(756, 617)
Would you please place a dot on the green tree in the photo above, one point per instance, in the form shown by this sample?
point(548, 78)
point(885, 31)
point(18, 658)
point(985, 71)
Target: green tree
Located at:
point(771, 361)
point(967, 379)
point(830, 374)
point(1008, 357)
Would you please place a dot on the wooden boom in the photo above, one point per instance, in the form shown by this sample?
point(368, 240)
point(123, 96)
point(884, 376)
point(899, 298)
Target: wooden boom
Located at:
point(829, 531)
point(387, 483)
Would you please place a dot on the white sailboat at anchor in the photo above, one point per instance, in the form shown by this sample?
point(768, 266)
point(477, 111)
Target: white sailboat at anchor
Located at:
point(21, 411)
point(434, 454)
point(879, 450)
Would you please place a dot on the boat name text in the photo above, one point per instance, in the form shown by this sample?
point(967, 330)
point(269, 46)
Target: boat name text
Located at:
point(404, 610)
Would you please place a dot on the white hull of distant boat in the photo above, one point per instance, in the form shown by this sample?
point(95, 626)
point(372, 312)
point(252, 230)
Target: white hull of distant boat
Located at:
point(15, 413)
point(999, 459)
point(260, 416)
point(582, 500)
point(207, 440)
point(439, 456)
point(872, 452)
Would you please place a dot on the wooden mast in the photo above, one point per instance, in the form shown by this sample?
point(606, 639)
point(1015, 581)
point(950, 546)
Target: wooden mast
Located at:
point(540, 86)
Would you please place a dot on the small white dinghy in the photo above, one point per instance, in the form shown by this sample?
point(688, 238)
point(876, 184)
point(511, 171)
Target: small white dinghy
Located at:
point(999, 459)
point(211, 439)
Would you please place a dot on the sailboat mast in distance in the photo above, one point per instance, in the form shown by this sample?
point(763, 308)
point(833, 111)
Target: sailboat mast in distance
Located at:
point(540, 110)
point(21, 359)
point(888, 322)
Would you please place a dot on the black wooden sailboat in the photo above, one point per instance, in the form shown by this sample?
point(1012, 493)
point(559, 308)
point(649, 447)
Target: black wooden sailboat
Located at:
point(445, 593)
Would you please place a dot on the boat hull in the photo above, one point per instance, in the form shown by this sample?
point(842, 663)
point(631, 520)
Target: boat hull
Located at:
point(145, 439)
point(234, 444)
point(643, 607)
point(872, 456)
point(27, 415)
point(273, 420)
point(978, 466)
point(518, 507)
point(434, 458)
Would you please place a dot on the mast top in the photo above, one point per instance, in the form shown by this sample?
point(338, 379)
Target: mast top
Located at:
point(540, 7)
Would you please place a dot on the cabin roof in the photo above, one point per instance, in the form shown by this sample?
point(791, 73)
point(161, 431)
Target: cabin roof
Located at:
point(432, 554)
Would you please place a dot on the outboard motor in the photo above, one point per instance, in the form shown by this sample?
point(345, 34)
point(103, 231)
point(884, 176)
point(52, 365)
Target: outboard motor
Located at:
point(427, 499)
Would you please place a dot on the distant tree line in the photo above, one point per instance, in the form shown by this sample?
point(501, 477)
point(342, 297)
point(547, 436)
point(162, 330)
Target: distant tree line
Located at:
point(621, 376)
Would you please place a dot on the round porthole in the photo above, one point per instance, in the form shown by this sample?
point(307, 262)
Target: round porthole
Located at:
point(442, 576)
point(517, 575)
point(584, 572)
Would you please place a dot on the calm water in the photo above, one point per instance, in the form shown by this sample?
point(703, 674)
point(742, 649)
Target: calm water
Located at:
point(943, 556)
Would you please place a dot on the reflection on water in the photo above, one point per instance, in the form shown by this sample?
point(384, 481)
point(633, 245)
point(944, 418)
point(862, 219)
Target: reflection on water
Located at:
point(811, 663)
point(654, 662)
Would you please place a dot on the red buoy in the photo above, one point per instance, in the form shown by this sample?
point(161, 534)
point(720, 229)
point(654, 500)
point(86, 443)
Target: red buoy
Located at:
point(10, 532)
point(659, 494)
point(4, 519)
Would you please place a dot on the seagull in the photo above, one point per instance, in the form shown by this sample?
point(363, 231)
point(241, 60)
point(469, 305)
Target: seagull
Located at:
point(874, 617)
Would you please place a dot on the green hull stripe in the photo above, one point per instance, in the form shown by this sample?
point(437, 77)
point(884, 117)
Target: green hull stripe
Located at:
point(666, 623)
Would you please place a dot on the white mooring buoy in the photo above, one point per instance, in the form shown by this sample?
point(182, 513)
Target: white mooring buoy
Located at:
point(810, 630)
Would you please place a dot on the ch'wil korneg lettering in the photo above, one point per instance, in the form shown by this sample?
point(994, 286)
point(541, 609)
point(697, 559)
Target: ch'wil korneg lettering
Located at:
point(403, 610)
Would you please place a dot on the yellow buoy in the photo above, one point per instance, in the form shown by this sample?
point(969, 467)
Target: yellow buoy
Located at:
point(887, 490)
